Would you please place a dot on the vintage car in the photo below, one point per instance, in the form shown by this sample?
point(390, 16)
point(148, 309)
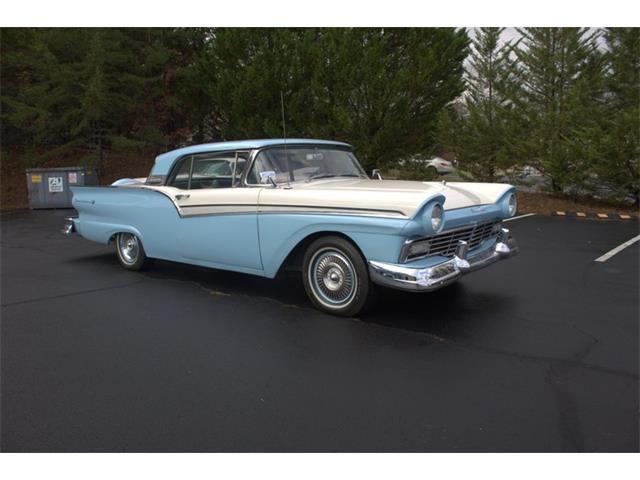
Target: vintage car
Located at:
point(258, 206)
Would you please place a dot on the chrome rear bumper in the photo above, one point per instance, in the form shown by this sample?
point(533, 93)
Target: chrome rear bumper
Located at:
point(69, 226)
point(437, 276)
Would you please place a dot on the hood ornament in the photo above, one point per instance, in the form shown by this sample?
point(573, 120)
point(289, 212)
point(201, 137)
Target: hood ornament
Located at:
point(444, 183)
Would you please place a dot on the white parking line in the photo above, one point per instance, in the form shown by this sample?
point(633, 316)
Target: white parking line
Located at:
point(618, 249)
point(519, 216)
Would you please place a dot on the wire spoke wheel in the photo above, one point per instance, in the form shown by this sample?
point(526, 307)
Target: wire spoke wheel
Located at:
point(128, 247)
point(332, 278)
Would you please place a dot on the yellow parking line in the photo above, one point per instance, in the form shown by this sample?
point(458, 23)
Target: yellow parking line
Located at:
point(603, 215)
point(581, 214)
point(558, 212)
point(624, 216)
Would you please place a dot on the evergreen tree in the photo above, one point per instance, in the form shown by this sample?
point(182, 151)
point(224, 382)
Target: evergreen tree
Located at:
point(560, 73)
point(560, 99)
point(38, 88)
point(387, 86)
point(376, 88)
point(245, 70)
point(617, 162)
point(95, 100)
point(80, 92)
point(480, 129)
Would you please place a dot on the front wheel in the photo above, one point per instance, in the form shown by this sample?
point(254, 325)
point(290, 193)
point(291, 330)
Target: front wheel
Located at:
point(336, 278)
point(130, 251)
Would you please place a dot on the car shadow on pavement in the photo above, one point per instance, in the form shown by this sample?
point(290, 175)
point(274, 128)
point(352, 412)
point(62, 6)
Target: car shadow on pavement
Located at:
point(449, 312)
point(103, 259)
point(286, 289)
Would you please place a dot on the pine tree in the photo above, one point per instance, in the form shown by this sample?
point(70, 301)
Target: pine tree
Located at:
point(618, 163)
point(39, 89)
point(560, 71)
point(380, 89)
point(94, 103)
point(480, 129)
point(76, 92)
point(386, 87)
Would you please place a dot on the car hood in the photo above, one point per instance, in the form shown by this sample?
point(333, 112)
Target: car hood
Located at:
point(395, 197)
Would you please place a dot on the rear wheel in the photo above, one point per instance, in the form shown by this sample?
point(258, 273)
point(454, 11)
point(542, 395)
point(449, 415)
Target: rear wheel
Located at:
point(130, 251)
point(336, 278)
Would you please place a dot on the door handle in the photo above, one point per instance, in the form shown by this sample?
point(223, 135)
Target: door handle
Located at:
point(182, 196)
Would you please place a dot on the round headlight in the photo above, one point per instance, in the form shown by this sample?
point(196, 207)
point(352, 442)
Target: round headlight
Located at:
point(436, 218)
point(512, 205)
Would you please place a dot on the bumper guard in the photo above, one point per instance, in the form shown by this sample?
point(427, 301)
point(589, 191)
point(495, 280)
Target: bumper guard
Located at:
point(69, 226)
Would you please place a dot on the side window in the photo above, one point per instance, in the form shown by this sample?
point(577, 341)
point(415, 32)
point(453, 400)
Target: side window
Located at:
point(180, 177)
point(212, 171)
point(209, 170)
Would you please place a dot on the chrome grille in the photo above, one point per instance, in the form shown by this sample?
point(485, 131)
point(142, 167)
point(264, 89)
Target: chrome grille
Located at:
point(445, 243)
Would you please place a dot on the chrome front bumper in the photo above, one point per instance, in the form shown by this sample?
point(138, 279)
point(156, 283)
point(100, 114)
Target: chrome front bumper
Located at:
point(69, 226)
point(437, 276)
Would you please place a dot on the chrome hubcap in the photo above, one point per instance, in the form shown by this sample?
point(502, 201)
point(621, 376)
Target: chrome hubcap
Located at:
point(128, 247)
point(332, 277)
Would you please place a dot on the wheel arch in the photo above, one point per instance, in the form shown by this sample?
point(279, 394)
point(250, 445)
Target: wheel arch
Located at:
point(124, 229)
point(294, 259)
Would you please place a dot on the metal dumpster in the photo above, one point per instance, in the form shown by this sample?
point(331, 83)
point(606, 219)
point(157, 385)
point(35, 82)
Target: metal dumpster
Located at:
point(49, 187)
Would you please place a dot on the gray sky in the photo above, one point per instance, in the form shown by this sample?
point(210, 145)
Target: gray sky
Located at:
point(510, 33)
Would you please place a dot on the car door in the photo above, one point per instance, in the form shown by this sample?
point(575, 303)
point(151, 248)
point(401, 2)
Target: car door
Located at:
point(218, 217)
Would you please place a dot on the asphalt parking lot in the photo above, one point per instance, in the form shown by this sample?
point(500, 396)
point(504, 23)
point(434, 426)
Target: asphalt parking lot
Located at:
point(539, 353)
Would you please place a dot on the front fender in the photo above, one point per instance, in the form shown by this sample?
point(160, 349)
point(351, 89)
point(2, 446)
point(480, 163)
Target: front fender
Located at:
point(416, 224)
point(279, 234)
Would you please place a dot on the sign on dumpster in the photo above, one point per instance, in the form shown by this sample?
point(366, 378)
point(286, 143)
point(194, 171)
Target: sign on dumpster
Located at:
point(55, 184)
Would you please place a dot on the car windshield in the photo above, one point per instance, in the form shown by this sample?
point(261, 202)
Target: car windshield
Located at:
point(303, 164)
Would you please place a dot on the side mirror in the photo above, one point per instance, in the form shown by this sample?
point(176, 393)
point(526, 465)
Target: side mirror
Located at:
point(268, 177)
point(376, 174)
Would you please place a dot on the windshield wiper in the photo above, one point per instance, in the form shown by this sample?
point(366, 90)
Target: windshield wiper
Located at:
point(331, 175)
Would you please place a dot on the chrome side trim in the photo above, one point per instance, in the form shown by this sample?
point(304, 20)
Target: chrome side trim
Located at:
point(196, 210)
point(330, 210)
point(200, 210)
point(437, 276)
point(243, 209)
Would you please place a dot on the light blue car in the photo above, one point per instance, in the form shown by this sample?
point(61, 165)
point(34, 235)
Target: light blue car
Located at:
point(256, 206)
